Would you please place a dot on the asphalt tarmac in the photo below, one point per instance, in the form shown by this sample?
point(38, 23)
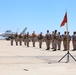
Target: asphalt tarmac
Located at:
point(22, 60)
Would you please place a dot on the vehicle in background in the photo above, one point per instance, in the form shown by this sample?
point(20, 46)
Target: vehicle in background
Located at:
point(8, 33)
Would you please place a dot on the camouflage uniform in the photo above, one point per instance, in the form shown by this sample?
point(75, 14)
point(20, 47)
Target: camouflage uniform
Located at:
point(59, 38)
point(52, 36)
point(20, 39)
point(48, 39)
point(40, 39)
point(12, 39)
point(74, 41)
point(25, 39)
point(55, 40)
point(33, 38)
point(66, 41)
point(16, 39)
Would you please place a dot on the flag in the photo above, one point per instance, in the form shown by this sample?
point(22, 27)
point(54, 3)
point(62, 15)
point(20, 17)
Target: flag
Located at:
point(64, 20)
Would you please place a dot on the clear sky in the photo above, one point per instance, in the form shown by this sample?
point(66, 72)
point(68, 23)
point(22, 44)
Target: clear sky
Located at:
point(37, 15)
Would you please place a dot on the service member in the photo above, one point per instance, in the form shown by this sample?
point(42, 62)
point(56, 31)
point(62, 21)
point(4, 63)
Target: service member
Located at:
point(52, 36)
point(59, 38)
point(48, 39)
point(74, 41)
point(33, 38)
point(27, 39)
point(12, 39)
point(66, 41)
point(20, 39)
point(55, 40)
point(40, 39)
point(16, 39)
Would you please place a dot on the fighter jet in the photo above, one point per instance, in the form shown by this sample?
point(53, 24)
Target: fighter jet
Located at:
point(8, 33)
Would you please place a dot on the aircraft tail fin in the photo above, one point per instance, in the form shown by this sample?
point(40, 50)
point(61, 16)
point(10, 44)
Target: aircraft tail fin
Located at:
point(23, 32)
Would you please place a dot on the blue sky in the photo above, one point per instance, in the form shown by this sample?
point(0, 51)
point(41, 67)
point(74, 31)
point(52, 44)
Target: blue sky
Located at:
point(37, 15)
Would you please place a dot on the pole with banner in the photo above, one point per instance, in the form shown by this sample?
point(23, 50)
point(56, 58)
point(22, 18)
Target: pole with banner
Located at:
point(68, 53)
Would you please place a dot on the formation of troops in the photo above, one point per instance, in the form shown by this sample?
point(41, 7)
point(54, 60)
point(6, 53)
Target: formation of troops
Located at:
point(55, 39)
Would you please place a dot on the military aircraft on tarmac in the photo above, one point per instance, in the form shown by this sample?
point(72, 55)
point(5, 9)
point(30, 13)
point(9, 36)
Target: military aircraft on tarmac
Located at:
point(8, 33)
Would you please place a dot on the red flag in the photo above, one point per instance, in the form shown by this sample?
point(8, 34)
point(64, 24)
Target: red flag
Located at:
point(64, 20)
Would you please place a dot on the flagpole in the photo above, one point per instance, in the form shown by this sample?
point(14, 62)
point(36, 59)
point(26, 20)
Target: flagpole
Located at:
point(67, 40)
